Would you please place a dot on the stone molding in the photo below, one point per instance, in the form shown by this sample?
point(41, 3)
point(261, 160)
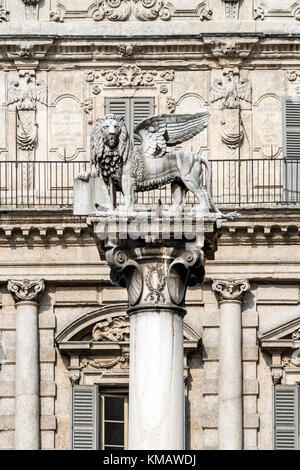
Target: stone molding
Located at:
point(26, 290)
point(230, 290)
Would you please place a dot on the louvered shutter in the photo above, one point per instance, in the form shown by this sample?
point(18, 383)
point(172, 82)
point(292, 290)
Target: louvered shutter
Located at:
point(286, 417)
point(85, 417)
point(291, 126)
point(119, 107)
point(141, 108)
point(291, 146)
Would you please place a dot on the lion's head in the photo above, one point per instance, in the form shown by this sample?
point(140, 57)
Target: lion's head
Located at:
point(109, 138)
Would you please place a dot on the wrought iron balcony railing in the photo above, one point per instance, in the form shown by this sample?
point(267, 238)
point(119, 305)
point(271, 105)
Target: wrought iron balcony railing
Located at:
point(234, 184)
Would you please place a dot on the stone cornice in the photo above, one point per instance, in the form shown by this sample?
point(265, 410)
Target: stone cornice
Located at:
point(222, 50)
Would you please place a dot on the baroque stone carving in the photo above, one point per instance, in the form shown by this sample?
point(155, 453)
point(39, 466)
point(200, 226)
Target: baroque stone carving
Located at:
point(88, 109)
point(155, 280)
point(230, 290)
point(149, 10)
point(27, 130)
point(75, 376)
point(112, 329)
point(91, 76)
point(206, 14)
point(27, 91)
point(4, 14)
point(259, 13)
point(232, 8)
point(231, 89)
point(31, 2)
point(152, 163)
point(121, 362)
point(26, 290)
point(171, 105)
point(232, 132)
point(294, 360)
point(57, 15)
point(277, 375)
point(129, 76)
point(113, 10)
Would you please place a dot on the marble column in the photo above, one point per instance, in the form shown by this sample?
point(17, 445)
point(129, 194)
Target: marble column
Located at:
point(156, 273)
point(27, 404)
point(230, 410)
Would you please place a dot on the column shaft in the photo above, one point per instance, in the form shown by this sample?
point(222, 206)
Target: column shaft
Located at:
point(27, 377)
point(230, 377)
point(156, 390)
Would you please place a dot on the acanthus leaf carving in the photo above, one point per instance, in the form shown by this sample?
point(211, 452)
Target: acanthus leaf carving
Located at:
point(112, 329)
point(277, 375)
point(129, 76)
point(149, 10)
point(171, 105)
point(113, 10)
point(88, 108)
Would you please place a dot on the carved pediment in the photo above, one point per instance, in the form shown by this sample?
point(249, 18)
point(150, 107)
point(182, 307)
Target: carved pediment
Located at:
point(107, 328)
point(282, 338)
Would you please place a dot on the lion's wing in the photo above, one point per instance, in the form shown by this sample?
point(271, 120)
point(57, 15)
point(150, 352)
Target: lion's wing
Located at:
point(166, 130)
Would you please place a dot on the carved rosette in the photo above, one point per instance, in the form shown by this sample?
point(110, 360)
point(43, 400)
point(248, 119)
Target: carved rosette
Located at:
point(26, 290)
point(230, 290)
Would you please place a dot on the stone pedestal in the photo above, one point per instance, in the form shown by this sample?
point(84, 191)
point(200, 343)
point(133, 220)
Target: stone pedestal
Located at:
point(156, 271)
point(27, 422)
point(230, 409)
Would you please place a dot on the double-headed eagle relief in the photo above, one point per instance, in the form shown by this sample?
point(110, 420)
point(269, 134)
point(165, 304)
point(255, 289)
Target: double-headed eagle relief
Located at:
point(26, 91)
point(231, 89)
point(152, 160)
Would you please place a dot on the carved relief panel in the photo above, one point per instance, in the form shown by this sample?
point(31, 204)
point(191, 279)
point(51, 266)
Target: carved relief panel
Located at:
point(129, 10)
point(264, 9)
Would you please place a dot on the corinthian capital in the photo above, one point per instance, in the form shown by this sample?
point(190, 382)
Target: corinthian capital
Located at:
point(26, 290)
point(230, 290)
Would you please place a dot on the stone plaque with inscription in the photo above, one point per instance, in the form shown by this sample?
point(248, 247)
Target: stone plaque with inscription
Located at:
point(67, 128)
point(268, 127)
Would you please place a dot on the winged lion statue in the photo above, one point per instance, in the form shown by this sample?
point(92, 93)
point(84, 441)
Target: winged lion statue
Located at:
point(152, 160)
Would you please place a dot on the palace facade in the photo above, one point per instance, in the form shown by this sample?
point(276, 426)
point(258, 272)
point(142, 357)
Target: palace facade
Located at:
point(64, 331)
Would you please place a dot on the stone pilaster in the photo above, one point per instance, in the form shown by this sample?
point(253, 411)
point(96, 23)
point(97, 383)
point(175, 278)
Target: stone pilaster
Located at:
point(156, 273)
point(27, 415)
point(230, 410)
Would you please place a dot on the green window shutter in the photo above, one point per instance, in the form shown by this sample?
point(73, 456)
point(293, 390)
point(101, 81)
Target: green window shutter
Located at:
point(291, 127)
point(141, 108)
point(85, 417)
point(286, 417)
point(119, 107)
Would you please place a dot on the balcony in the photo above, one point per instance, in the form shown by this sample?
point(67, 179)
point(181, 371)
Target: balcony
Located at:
point(252, 183)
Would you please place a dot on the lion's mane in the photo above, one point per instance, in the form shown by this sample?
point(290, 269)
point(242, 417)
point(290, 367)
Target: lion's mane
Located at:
point(98, 145)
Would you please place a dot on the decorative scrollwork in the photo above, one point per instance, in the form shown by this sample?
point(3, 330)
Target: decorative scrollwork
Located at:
point(26, 290)
point(4, 14)
point(113, 10)
point(231, 290)
point(155, 280)
point(112, 329)
point(129, 76)
point(149, 10)
point(121, 361)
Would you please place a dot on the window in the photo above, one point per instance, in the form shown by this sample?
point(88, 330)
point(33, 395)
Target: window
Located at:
point(291, 148)
point(114, 421)
point(286, 417)
point(134, 110)
point(99, 418)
